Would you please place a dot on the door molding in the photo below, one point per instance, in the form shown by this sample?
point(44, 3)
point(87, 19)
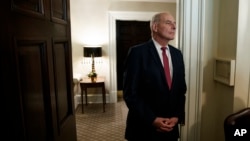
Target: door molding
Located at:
point(191, 33)
point(113, 16)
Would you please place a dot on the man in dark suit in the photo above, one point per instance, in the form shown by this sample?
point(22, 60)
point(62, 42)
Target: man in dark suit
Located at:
point(155, 107)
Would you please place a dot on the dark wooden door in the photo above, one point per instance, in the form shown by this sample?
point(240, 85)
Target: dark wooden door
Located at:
point(128, 34)
point(36, 71)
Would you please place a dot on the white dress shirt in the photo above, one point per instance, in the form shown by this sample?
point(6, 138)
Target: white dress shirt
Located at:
point(158, 48)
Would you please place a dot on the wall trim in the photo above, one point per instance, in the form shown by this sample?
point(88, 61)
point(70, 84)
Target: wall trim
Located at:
point(92, 98)
point(191, 30)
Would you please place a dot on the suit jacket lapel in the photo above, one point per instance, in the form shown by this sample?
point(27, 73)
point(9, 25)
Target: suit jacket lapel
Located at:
point(174, 62)
point(157, 60)
point(155, 55)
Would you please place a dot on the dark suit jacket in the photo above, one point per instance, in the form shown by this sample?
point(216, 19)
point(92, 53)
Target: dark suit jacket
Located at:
point(146, 92)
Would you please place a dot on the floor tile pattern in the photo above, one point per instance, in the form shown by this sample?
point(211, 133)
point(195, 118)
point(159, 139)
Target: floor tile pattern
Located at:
point(94, 125)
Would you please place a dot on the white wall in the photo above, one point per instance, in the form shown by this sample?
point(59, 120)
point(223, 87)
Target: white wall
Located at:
point(219, 41)
point(226, 36)
point(209, 98)
point(242, 76)
point(90, 26)
point(223, 35)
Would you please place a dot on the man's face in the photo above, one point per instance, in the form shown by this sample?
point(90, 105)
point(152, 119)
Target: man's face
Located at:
point(166, 27)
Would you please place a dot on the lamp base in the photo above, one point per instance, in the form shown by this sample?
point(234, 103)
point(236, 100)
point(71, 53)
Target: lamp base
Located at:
point(93, 79)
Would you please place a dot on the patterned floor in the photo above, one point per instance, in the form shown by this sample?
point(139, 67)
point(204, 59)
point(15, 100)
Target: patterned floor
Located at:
point(94, 125)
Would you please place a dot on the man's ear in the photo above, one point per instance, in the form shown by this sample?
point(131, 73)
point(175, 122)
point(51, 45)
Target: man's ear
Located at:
point(154, 27)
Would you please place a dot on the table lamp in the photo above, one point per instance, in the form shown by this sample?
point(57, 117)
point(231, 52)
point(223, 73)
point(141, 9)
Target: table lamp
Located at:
point(92, 52)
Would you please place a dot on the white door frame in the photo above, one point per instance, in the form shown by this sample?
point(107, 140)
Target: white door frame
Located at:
point(191, 30)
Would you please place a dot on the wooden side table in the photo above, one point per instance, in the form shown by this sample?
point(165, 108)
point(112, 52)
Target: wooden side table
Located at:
point(87, 83)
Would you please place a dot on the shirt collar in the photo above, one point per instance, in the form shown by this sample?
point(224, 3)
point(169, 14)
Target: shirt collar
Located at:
point(157, 45)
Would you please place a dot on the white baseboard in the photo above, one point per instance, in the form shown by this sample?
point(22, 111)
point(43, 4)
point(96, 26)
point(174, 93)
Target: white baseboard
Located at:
point(92, 98)
point(77, 100)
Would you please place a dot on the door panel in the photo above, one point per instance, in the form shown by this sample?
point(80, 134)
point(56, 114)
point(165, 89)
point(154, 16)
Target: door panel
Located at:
point(129, 33)
point(32, 8)
point(59, 11)
point(32, 90)
point(36, 49)
point(63, 97)
point(28, 6)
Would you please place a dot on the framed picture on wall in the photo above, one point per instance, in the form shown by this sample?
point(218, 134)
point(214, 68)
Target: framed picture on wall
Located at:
point(224, 71)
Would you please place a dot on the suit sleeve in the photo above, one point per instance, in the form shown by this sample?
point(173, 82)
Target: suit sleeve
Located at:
point(132, 77)
point(182, 91)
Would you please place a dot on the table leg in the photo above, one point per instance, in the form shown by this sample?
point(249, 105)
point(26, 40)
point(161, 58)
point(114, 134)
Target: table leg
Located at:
point(86, 96)
point(82, 101)
point(103, 98)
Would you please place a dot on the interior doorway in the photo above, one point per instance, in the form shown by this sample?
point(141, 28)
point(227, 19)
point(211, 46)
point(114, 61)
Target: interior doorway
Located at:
point(113, 17)
point(128, 34)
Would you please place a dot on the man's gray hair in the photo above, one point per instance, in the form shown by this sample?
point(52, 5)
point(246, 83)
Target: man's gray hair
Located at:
point(156, 18)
